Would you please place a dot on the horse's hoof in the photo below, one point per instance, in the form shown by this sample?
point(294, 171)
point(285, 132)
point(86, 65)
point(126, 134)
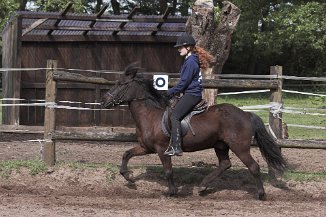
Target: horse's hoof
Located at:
point(131, 181)
point(202, 189)
point(262, 196)
point(127, 177)
point(131, 185)
point(173, 192)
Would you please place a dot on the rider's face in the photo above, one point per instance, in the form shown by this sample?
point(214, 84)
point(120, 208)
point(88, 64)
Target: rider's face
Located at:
point(183, 50)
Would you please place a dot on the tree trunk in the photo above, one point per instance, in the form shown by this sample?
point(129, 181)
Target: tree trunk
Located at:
point(163, 6)
point(116, 7)
point(211, 34)
point(98, 5)
point(174, 6)
point(22, 5)
point(184, 6)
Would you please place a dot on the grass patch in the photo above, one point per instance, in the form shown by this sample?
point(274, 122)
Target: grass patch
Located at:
point(81, 165)
point(38, 166)
point(112, 170)
point(304, 176)
point(34, 166)
point(182, 175)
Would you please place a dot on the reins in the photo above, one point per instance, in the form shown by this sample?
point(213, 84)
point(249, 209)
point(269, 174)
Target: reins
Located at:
point(119, 99)
point(131, 90)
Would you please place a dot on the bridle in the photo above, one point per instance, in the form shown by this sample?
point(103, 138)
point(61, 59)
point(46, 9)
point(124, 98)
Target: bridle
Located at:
point(118, 98)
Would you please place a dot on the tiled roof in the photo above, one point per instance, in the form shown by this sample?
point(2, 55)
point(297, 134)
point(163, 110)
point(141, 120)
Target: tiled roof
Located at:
point(50, 25)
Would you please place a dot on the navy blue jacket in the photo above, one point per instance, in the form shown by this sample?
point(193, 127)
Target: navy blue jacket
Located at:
point(190, 81)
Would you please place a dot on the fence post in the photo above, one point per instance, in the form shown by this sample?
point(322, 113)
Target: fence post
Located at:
point(276, 99)
point(48, 152)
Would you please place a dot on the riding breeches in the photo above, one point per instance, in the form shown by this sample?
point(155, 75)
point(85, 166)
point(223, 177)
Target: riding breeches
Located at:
point(183, 107)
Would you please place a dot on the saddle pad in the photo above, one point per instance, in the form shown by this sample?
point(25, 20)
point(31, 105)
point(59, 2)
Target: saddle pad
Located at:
point(185, 123)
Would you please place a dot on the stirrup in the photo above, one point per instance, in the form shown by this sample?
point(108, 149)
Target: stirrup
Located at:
point(169, 151)
point(172, 151)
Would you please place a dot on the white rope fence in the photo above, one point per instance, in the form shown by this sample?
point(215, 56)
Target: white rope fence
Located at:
point(303, 93)
point(274, 108)
point(57, 105)
point(243, 92)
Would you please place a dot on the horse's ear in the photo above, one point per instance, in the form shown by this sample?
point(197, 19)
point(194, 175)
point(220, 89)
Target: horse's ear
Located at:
point(132, 69)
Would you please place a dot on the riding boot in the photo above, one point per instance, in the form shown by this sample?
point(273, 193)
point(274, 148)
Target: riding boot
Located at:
point(176, 139)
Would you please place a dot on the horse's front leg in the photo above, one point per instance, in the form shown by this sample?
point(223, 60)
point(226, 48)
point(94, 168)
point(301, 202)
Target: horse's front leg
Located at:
point(136, 151)
point(167, 166)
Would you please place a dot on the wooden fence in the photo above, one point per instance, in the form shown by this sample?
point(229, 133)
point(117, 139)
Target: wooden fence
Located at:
point(51, 134)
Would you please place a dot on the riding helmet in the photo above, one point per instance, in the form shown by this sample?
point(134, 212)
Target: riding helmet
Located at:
point(185, 39)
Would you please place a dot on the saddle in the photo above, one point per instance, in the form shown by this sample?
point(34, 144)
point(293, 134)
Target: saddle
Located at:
point(185, 123)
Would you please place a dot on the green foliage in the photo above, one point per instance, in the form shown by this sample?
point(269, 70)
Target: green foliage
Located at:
point(7, 7)
point(6, 10)
point(217, 14)
point(278, 32)
point(303, 26)
point(59, 5)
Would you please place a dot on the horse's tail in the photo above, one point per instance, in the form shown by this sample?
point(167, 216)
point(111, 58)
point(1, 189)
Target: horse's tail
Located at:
point(267, 145)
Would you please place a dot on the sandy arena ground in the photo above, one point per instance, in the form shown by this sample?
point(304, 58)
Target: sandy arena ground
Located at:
point(67, 191)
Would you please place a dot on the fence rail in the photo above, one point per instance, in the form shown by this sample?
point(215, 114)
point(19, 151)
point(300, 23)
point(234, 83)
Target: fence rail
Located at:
point(207, 83)
point(129, 135)
point(53, 76)
point(52, 132)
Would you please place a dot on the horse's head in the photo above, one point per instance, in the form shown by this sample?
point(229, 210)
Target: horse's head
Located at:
point(125, 89)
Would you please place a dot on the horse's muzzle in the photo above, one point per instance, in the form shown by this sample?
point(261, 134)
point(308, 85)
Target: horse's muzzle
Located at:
point(106, 101)
point(107, 104)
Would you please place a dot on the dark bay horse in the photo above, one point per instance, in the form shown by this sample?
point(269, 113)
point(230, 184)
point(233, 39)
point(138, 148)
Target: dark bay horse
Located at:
point(222, 127)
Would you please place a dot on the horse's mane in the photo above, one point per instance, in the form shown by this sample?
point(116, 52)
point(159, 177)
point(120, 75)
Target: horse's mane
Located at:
point(153, 97)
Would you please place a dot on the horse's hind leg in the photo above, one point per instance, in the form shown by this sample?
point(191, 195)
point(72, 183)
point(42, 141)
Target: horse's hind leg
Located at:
point(254, 169)
point(224, 164)
point(136, 151)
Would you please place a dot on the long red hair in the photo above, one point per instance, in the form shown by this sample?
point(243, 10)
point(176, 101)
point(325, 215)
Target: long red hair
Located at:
point(205, 58)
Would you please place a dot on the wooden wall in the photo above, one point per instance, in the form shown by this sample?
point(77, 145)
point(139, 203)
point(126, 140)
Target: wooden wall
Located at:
point(155, 57)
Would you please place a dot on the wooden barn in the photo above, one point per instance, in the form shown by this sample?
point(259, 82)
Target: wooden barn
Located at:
point(86, 42)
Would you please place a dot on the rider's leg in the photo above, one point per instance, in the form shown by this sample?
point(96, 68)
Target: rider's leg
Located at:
point(175, 142)
point(181, 109)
